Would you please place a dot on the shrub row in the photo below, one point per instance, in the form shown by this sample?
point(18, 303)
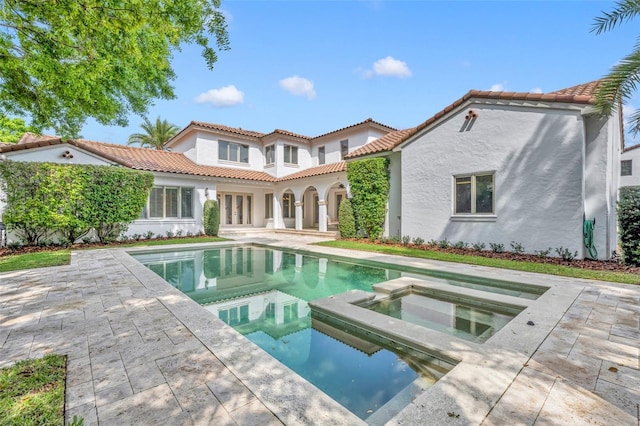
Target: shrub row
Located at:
point(64, 202)
point(629, 224)
point(516, 247)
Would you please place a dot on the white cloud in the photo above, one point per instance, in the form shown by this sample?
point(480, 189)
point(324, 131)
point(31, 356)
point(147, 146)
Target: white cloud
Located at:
point(391, 67)
point(298, 86)
point(536, 90)
point(223, 97)
point(498, 87)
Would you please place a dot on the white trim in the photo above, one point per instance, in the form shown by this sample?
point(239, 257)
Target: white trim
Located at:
point(474, 218)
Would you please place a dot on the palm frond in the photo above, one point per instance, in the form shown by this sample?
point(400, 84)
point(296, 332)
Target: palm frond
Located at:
point(620, 84)
point(634, 122)
point(624, 12)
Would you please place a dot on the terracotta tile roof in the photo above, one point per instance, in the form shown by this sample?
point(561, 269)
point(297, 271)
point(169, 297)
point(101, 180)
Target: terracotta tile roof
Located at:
point(385, 143)
point(288, 133)
point(169, 162)
point(147, 159)
point(228, 129)
point(367, 121)
point(31, 137)
point(261, 136)
point(580, 94)
point(163, 161)
point(325, 169)
point(33, 143)
point(585, 89)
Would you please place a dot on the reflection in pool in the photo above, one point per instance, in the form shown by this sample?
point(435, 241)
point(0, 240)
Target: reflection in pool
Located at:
point(263, 293)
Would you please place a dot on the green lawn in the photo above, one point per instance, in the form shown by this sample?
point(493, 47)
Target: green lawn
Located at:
point(32, 392)
point(62, 257)
point(543, 268)
point(34, 260)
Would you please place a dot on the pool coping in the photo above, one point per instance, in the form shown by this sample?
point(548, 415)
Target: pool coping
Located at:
point(483, 373)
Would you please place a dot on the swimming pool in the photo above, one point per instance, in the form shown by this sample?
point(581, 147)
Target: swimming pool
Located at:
point(264, 292)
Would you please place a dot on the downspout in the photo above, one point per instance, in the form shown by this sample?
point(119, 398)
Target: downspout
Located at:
point(584, 184)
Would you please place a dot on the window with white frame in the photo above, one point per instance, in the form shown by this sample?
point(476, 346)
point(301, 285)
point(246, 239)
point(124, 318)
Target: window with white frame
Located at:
point(231, 151)
point(288, 206)
point(290, 154)
point(268, 206)
point(344, 148)
point(170, 202)
point(270, 154)
point(321, 155)
point(474, 194)
point(625, 168)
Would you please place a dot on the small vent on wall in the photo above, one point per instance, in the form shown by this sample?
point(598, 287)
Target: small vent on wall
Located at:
point(67, 154)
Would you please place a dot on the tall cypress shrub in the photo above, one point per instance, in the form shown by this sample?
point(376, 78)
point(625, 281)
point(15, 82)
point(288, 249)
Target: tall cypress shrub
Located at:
point(369, 182)
point(346, 220)
point(629, 224)
point(211, 217)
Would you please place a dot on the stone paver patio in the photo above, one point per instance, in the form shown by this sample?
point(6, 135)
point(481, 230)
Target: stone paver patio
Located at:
point(141, 352)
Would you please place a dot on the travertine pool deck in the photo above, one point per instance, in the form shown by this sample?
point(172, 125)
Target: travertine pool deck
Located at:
point(140, 352)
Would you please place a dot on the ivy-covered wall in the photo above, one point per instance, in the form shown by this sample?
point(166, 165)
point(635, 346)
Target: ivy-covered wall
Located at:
point(369, 183)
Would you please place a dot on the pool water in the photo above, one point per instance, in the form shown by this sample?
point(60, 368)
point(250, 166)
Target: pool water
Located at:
point(263, 293)
point(467, 320)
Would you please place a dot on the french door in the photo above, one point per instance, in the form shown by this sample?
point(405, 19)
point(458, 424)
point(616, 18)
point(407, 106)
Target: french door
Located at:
point(237, 209)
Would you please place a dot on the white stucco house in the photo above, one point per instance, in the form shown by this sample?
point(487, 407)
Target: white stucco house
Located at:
point(262, 180)
point(499, 167)
point(492, 167)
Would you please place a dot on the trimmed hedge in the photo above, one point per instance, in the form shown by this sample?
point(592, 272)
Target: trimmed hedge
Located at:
point(46, 200)
point(629, 224)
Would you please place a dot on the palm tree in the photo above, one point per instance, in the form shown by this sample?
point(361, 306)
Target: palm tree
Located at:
point(156, 134)
point(623, 79)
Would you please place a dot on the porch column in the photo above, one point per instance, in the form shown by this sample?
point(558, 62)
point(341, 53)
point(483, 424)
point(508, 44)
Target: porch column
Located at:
point(322, 215)
point(298, 205)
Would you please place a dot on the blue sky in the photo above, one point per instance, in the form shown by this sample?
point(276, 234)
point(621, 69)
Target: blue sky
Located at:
point(311, 67)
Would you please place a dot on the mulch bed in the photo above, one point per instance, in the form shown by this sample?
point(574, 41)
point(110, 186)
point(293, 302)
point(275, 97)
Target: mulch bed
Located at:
point(613, 265)
point(6, 251)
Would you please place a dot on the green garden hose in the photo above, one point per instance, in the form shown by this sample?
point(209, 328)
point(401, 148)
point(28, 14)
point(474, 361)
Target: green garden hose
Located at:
point(587, 230)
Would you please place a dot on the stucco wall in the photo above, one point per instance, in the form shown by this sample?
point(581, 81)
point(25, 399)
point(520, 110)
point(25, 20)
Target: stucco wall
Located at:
point(54, 154)
point(193, 225)
point(393, 225)
point(601, 153)
point(536, 154)
point(356, 138)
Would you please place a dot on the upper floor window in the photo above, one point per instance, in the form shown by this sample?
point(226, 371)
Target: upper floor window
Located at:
point(290, 154)
point(474, 194)
point(170, 202)
point(231, 151)
point(625, 168)
point(270, 154)
point(321, 159)
point(344, 148)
